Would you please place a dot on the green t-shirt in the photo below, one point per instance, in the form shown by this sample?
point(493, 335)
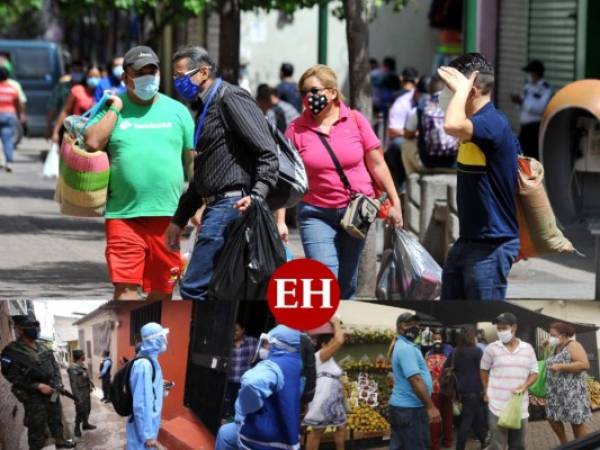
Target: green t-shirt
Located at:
point(146, 158)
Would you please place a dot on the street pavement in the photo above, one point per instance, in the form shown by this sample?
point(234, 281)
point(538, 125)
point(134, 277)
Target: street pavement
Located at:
point(44, 254)
point(110, 434)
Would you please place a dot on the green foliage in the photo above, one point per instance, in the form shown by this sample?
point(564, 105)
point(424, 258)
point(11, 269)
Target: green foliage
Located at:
point(13, 10)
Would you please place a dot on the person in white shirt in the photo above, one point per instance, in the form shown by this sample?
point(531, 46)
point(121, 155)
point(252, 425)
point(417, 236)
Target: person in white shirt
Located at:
point(508, 366)
point(397, 119)
point(532, 103)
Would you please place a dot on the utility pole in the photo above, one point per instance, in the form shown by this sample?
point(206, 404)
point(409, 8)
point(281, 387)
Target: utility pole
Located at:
point(323, 28)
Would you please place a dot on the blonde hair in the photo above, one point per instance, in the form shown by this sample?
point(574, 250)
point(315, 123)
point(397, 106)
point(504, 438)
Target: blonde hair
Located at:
point(325, 75)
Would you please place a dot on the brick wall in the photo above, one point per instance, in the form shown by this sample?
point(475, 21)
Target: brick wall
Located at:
point(11, 412)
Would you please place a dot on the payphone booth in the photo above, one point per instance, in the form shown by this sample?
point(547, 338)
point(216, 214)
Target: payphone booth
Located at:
point(570, 151)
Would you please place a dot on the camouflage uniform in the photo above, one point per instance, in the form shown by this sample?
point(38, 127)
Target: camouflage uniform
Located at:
point(81, 387)
point(25, 368)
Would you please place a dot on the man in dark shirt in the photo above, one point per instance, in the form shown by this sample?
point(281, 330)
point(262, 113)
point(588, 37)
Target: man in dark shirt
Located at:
point(478, 264)
point(236, 159)
point(287, 89)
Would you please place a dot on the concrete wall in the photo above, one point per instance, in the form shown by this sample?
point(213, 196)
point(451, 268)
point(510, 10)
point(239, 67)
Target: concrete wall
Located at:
point(93, 360)
point(267, 40)
point(406, 35)
point(11, 413)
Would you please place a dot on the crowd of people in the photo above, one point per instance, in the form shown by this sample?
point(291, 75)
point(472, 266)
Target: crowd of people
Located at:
point(439, 389)
point(287, 381)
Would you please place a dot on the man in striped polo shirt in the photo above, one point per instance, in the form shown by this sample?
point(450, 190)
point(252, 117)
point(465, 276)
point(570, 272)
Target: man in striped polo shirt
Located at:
point(509, 366)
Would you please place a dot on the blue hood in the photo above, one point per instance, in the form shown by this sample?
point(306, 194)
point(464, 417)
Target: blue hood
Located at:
point(153, 339)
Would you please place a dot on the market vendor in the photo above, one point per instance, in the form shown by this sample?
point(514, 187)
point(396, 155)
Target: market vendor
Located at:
point(268, 404)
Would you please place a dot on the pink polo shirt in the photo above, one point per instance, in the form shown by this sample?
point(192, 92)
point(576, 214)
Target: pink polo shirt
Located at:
point(350, 138)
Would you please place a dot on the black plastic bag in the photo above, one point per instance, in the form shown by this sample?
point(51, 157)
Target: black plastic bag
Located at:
point(253, 250)
point(292, 182)
point(408, 272)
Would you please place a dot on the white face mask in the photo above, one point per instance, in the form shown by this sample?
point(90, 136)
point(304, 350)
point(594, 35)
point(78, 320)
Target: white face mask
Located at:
point(263, 353)
point(505, 336)
point(444, 98)
point(553, 341)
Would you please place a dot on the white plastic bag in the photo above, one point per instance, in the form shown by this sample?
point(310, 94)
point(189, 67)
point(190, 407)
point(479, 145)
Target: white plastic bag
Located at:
point(188, 248)
point(50, 169)
point(410, 273)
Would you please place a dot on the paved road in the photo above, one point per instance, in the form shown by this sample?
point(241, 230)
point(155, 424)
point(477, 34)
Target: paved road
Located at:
point(44, 254)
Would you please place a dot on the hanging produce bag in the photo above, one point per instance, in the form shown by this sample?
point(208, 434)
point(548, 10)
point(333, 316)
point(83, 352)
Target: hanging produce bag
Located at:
point(511, 415)
point(410, 272)
point(538, 231)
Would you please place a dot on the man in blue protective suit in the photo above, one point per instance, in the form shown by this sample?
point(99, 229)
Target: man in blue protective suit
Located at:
point(144, 423)
point(268, 403)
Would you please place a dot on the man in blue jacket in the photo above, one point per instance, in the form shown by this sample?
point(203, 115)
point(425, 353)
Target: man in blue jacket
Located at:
point(144, 424)
point(268, 403)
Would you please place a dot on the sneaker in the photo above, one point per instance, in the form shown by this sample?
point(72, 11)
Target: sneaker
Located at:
point(88, 426)
point(8, 167)
point(65, 444)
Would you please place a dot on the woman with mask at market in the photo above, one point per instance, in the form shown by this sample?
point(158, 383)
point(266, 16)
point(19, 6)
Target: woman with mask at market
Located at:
point(566, 383)
point(327, 408)
point(327, 120)
point(81, 98)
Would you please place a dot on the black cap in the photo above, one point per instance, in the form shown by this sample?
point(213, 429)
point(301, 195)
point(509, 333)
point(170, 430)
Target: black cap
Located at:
point(28, 320)
point(535, 66)
point(139, 57)
point(505, 319)
point(408, 317)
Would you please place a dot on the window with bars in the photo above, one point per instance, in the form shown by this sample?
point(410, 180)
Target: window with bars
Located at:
point(140, 317)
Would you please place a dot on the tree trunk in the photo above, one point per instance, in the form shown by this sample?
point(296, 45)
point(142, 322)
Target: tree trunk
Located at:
point(229, 40)
point(357, 36)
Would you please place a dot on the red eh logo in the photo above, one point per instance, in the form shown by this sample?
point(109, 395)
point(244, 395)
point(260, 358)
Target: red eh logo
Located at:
point(303, 294)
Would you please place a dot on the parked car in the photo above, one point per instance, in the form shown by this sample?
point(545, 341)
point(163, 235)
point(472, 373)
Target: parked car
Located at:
point(37, 66)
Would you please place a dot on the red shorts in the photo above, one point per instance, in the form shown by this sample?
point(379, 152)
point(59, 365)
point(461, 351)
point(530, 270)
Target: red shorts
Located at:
point(136, 253)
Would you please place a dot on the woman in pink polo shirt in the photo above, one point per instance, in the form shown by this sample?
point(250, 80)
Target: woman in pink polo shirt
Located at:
point(359, 151)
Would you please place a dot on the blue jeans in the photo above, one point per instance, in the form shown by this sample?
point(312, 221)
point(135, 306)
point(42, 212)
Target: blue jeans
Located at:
point(209, 243)
point(410, 428)
point(228, 437)
point(324, 240)
point(8, 129)
point(477, 270)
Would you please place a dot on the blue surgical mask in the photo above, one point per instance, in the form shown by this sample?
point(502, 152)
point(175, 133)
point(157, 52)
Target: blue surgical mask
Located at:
point(118, 72)
point(92, 82)
point(186, 88)
point(146, 86)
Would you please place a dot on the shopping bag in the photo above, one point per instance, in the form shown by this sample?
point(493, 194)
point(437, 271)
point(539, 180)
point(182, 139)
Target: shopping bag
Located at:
point(387, 287)
point(539, 387)
point(538, 231)
point(83, 176)
point(50, 169)
point(253, 251)
point(419, 276)
point(511, 415)
point(188, 248)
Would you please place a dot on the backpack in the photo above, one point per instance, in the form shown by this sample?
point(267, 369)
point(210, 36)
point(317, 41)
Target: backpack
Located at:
point(435, 141)
point(292, 181)
point(120, 391)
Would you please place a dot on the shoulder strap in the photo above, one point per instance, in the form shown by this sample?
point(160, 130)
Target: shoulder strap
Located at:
point(336, 162)
point(138, 358)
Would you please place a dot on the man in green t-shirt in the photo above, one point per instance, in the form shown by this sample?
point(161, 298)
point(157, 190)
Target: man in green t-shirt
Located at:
point(148, 136)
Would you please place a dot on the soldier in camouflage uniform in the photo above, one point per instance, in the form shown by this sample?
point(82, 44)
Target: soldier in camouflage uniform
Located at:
point(34, 374)
point(81, 387)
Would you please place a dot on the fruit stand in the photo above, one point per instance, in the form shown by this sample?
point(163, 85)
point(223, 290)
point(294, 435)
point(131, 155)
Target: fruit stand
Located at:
point(367, 384)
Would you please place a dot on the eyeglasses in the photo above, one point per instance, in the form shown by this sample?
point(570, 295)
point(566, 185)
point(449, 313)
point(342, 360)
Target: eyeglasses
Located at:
point(313, 90)
point(190, 73)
